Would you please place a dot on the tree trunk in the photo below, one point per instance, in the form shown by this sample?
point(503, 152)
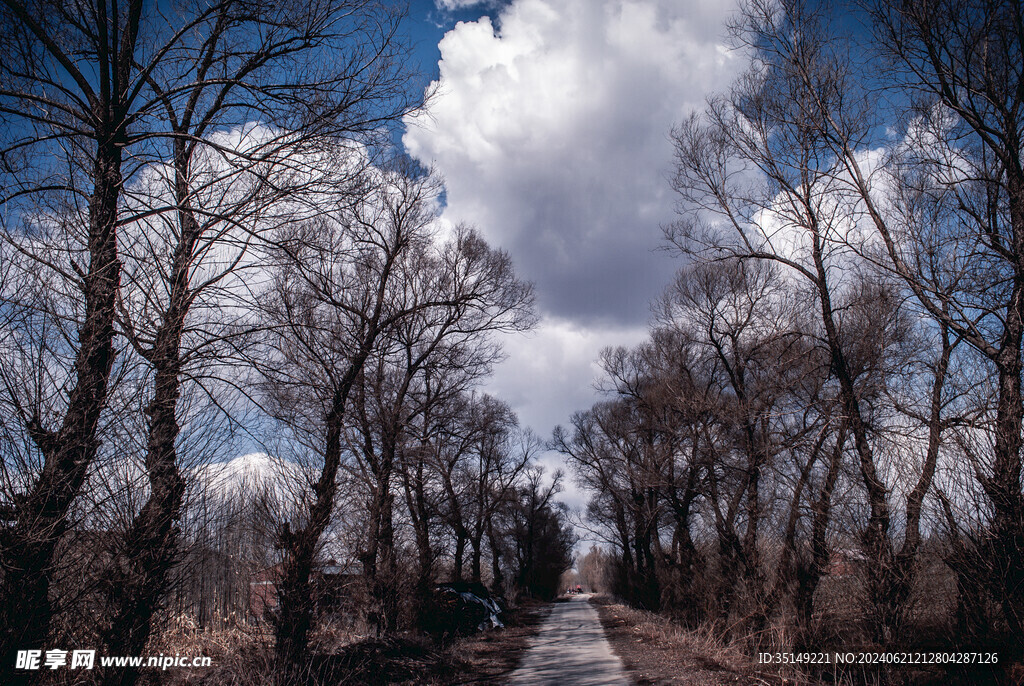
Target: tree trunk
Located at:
point(41, 515)
point(786, 577)
point(138, 580)
point(419, 515)
point(497, 578)
point(387, 581)
point(460, 554)
point(1004, 488)
point(475, 557)
point(809, 575)
point(875, 536)
point(294, 614)
point(906, 559)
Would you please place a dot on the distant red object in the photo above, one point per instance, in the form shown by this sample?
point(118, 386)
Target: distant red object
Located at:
point(263, 590)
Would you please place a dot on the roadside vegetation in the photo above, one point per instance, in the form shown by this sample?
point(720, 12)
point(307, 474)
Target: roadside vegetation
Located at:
point(346, 657)
point(656, 650)
point(819, 446)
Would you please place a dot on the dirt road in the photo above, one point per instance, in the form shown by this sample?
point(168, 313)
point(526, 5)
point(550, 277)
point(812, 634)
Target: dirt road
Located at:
point(571, 649)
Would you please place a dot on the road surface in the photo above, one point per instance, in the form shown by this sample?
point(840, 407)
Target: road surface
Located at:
point(571, 650)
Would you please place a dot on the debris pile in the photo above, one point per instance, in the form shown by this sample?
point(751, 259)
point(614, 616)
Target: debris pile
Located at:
point(462, 609)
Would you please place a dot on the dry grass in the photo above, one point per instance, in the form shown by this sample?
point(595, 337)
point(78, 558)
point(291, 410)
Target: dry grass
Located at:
point(656, 651)
point(242, 656)
point(181, 635)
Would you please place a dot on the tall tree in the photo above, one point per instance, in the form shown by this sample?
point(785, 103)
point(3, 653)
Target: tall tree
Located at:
point(72, 82)
point(218, 194)
point(88, 89)
point(542, 537)
point(955, 231)
point(760, 161)
point(346, 285)
point(454, 301)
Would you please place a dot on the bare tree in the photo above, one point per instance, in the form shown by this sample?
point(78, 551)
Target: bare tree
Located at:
point(88, 89)
point(542, 537)
point(961, 183)
point(72, 83)
point(497, 459)
point(612, 452)
point(214, 198)
point(761, 162)
point(433, 430)
point(346, 286)
point(333, 296)
point(454, 301)
point(741, 322)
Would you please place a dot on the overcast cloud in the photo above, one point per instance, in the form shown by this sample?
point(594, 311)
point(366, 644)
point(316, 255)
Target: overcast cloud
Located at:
point(551, 132)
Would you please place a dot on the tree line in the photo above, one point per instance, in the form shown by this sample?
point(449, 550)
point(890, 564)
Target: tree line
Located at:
point(208, 241)
point(820, 441)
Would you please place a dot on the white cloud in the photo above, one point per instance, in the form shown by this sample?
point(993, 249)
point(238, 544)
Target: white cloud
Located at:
point(549, 374)
point(550, 128)
point(559, 356)
point(450, 5)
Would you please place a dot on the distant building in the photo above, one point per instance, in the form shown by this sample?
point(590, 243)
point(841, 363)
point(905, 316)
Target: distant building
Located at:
point(846, 562)
point(335, 590)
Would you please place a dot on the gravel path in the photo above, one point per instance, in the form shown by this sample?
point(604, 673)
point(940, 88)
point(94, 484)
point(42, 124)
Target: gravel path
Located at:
point(571, 649)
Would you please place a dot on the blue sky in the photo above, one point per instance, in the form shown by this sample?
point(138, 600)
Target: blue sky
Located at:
point(550, 128)
point(428, 22)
